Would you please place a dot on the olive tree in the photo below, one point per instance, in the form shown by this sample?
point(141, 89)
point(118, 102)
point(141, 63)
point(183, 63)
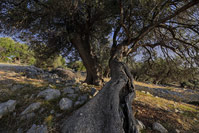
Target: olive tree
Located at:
point(169, 25)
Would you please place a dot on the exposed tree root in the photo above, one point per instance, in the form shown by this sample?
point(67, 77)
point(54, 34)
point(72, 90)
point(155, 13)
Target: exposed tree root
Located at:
point(110, 111)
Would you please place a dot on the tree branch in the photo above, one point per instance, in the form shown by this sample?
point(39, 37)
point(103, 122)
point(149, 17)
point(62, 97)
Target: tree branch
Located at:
point(147, 29)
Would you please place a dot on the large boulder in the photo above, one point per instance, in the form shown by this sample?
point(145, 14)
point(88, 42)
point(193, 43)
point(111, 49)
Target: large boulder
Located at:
point(7, 107)
point(49, 94)
point(64, 73)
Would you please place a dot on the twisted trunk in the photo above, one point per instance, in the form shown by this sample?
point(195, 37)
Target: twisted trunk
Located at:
point(111, 110)
point(90, 61)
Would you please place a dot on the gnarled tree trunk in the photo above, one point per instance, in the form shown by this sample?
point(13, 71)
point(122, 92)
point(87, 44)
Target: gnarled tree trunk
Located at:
point(90, 61)
point(111, 110)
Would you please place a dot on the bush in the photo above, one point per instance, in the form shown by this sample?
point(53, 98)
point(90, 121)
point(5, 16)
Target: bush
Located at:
point(11, 51)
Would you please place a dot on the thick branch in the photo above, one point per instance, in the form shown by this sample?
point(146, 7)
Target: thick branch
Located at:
point(147, 29)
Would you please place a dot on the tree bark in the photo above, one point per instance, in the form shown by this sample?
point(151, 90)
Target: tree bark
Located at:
point(90, 61)
point(110, 111)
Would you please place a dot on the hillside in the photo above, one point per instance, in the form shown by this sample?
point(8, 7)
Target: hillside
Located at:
point(27, 86)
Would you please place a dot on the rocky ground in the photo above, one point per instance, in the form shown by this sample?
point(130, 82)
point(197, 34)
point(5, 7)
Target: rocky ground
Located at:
point(33, 100)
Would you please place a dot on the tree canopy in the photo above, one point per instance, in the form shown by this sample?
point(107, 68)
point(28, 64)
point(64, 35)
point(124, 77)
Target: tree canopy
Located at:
point(82, 26)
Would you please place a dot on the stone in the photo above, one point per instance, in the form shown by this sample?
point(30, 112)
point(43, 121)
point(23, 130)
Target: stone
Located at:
point(177, 131)
point(76, 89)
point(28, 116)
point(38, 129)
point(72, 96)
point(140, 125)
point(19, 130)
point(31, 108)
point(7, 107)
point(69, 84)
point(68, 91)
point(58, 115)
point(83, 98)
point(49, 94)
point(64, 73)
point(148, 93)
point(52, 111)
point(65, 104)
point(158, 127)
point(78, 103)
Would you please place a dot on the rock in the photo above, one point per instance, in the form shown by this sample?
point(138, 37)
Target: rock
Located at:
point(69, 84)
point(148, 93)
point(58, 115)
point(38, 129)
point(143, 91)
point(19, 130)
point(52, 111)
point(16, 87)
point(78, 103)
point(7, 107)
point(76, 89)
point(83, 98)
point(68, 91)
point(49, 94)
point(177, 131)
point(28, 116)
point(72, 96)
point(158, 127)
point(65, 104)
point(64, 73)
point(31, 108)
point(140, 125)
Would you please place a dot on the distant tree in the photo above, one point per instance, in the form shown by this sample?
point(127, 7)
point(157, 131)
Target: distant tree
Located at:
point(77, 66)
point(45, 60)
point(15, 52)
point(163, 71)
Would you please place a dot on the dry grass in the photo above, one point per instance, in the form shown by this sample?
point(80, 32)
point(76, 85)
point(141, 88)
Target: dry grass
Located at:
point(173, 115)
point(152, 85)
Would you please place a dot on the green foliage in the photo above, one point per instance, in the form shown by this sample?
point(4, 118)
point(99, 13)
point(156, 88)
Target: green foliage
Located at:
point(12, 51)
point(77, 66)
point(51, 62)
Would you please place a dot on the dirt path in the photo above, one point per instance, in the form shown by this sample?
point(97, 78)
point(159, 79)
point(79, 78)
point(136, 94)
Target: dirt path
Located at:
point(12, 67)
